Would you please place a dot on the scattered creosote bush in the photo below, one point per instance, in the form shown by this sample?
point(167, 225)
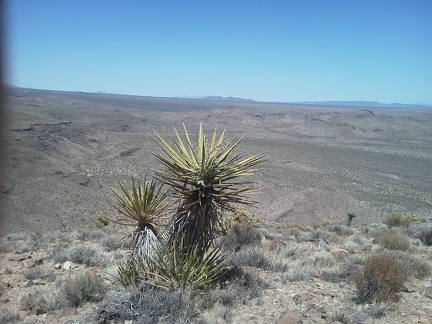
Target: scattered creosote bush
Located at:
point(382, 278)
point(399, 220)
point(392, 240)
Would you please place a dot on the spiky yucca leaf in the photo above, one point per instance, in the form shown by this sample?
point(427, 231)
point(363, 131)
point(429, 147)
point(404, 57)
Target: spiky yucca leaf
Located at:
point(144, 206)
point(204, 175)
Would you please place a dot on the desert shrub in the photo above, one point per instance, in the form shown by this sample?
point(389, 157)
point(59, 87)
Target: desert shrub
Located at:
point(393, 240)
point(253, 257)
point(340, 230)
point(382, 278)
point(414, 266)
point(297, 274)
point(399, 220)
point(238, 288)
point(89, 235)
point(113, 242)
point(7, 317)
point(329, 267)
point(59, 253)
point(82, 288)
point(377, 310)
point(33, 273)
point(137, 304)
point(426, 236)
point(241, 235)
point(237, 215)
point(84, 254)
point(340, 317)
point(290, 227)
point(102, 220)
point(57, 236)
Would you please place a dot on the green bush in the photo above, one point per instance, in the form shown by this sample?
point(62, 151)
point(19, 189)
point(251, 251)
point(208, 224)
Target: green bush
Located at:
point(398, 220)
point(382, 278)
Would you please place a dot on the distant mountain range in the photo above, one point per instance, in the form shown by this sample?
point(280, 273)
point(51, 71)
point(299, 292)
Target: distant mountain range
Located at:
point(364, 104)
point(371, 104)
point(219, 98)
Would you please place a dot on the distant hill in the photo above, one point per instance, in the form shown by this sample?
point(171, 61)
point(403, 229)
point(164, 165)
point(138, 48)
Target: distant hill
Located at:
point(218, 98)
point(364, 104)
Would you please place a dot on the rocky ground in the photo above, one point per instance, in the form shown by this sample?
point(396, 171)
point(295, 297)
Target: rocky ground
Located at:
point(296, 275)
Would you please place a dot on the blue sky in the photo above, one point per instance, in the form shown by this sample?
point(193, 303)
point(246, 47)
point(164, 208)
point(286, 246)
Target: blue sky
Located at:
point(264, 50)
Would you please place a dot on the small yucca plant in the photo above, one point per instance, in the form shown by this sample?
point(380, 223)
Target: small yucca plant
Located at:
point(144, 207)
point(204, 176)
point(173, 267)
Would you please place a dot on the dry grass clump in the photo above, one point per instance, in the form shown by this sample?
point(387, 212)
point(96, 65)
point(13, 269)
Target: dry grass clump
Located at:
point(382, 278)
point(393, 240)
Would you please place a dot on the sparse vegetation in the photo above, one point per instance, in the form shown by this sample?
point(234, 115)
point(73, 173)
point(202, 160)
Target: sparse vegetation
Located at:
point(178, 278)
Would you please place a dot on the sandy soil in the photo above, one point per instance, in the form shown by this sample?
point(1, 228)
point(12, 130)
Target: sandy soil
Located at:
point(65, 150)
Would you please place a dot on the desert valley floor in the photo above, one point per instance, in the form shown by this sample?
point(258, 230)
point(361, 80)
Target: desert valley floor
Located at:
point(65, 150)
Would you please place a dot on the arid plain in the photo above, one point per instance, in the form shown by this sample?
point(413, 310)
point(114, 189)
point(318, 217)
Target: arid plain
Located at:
point(65, 150)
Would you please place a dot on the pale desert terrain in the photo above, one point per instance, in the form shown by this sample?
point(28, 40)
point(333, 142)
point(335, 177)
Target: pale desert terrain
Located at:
point(65, 150)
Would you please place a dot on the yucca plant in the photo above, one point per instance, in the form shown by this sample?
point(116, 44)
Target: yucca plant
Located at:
point(173, 267)
point(144, 207)
point(184, 266)
point(204, 175)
